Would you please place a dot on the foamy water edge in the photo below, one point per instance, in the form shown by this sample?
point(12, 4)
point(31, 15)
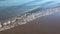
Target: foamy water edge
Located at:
point(27, 17)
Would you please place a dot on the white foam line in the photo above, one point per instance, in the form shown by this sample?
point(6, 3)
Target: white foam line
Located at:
point(33, 9)
point(24, 19)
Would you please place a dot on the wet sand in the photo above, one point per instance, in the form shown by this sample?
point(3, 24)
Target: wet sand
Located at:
point(43, 25)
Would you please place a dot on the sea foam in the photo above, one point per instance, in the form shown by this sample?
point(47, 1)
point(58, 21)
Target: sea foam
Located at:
point(27, 17)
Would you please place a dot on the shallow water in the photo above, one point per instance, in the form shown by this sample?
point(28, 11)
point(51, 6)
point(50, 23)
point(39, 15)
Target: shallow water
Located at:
point(14, 10)
point(12, 16)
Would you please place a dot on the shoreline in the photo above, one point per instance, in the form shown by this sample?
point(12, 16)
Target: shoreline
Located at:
point(42, 25)
point(27, 18)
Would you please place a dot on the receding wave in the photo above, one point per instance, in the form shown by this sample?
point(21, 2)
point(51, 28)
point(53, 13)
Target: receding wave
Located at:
point(27, 17)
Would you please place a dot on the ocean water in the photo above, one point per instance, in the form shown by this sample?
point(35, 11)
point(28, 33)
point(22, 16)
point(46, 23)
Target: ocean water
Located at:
point(8, 7)
point(14, 13)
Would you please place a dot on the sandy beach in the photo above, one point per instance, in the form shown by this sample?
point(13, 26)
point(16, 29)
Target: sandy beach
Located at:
point(29, 17)
point(43, 25)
